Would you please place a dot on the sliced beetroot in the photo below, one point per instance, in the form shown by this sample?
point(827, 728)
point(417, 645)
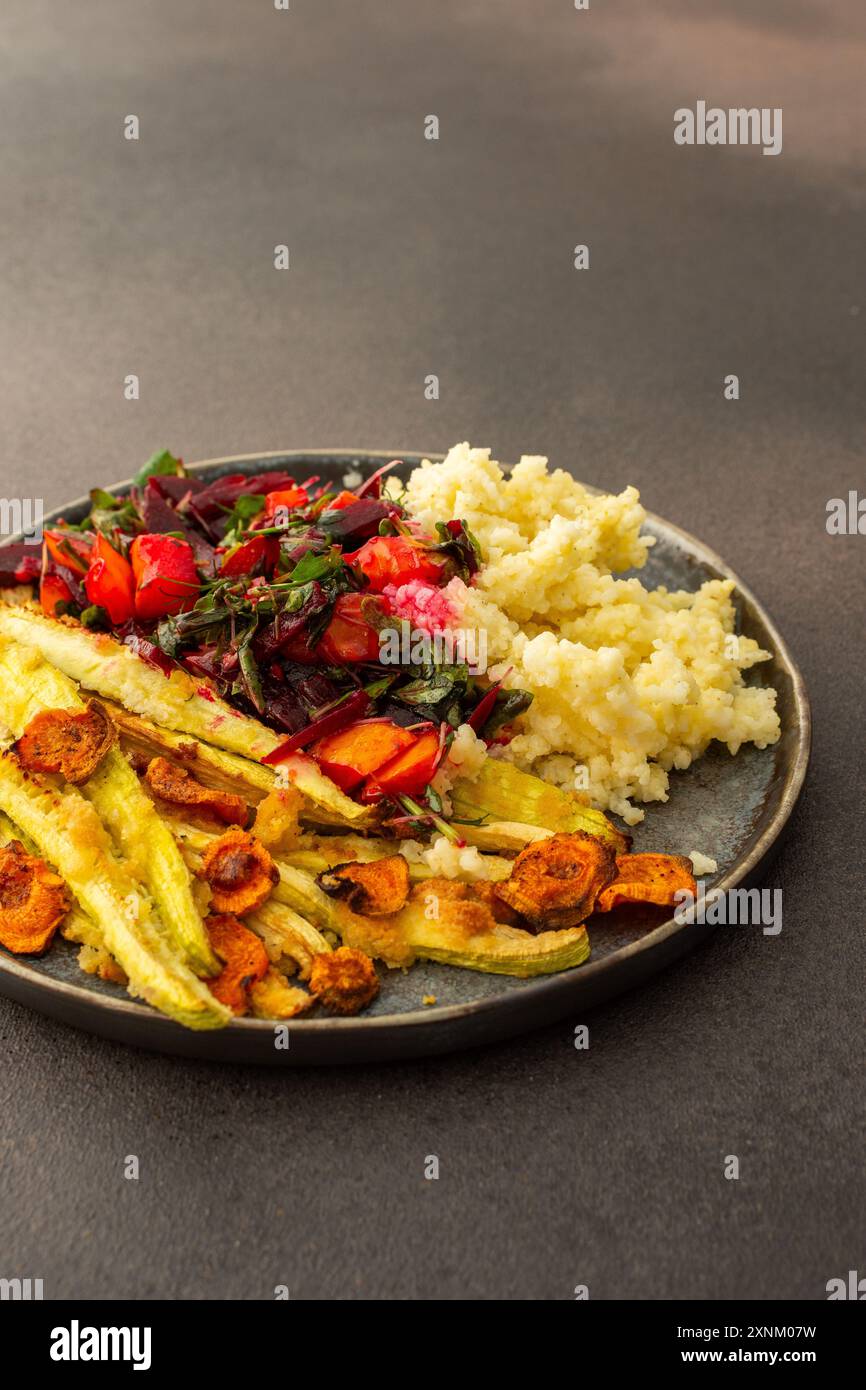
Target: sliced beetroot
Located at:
point(205, 662)
point(300, 544)
point(314, 689)
point(147, 650)
point(373, 484)
point(356, 522)
point(212, 500)
point(286, 627)
point(175, 488)
point(20, 563)
point(158, 515)
point(286, 711)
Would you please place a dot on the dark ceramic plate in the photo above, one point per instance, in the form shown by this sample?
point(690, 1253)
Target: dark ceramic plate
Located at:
point(734, 809)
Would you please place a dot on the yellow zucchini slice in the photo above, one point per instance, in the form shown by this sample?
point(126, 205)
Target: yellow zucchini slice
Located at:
point(29, 684)
point(70, 836)
point(502, 792)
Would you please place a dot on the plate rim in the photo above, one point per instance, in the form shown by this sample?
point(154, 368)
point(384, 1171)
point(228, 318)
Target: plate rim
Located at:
point(552, 986)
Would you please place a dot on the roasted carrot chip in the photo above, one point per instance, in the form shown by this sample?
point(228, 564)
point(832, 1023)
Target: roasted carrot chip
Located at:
point(175, 784)
point(648, 878)
point(58, 740)
point(33, 901)
point(246, 961)
point(240, 872)
point(554, 882)
point(375, 889)
point(344, 981)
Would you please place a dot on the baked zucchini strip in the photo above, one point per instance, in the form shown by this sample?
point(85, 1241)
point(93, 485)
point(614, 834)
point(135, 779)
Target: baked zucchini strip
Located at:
point(105, 666)
point(29, 684)
point(502, 792)
point(286, 933)
point(412, 933)
point(317, 860)
point(98, 662)
point(69, 835)
point(503, 835)
point(224, 772)
point(500, 951)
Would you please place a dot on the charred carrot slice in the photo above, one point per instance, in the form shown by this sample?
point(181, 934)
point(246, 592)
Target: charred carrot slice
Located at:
point(58, 740)
point(240, 871)
point(374, 889)
point(344, 981)
point(176, 785)
point(246, 961)
point(555, 882)
point(648, 878)
point(33, 901)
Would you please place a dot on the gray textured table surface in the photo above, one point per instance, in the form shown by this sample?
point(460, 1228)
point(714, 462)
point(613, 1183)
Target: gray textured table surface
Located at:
point(411, 257)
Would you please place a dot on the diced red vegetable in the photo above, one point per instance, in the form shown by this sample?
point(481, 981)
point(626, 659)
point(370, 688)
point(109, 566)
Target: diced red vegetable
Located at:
point(360, 749)
point(288, 498)
point(343, 499)
point(109, 581)
point(53, 590)
point(166, 580)
point(395, 560)
point(243, 559)
point(348, 638)
point(411, 770)
point(68, 549)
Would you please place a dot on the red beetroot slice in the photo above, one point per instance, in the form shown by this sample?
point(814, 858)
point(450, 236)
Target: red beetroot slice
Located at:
point(20, 564)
